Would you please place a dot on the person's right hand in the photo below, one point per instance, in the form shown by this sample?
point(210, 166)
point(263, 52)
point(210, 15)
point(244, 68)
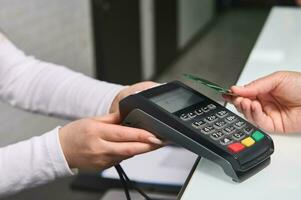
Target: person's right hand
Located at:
point(273, 102)
point(99, 143)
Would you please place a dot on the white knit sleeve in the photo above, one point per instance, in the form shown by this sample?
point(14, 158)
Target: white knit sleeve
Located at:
point(37, 86)
point(32, 162)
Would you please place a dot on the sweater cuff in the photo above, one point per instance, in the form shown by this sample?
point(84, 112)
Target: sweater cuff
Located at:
point(108, 99)
point(56, 154)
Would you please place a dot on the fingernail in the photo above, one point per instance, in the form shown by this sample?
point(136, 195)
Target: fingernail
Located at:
point(155, 140)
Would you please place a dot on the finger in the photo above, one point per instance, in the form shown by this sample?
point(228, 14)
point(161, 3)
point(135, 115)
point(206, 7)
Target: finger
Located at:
point(275, 115)
point(118, 133)
point(236, 103)
point(260, 86)
point(112, 118)
point(246, 109)
point(244, 91)
point(233, 100)
point(137, 88)
point(129, 149)
point(144, 85)
point(227, 98)
point(261, 119)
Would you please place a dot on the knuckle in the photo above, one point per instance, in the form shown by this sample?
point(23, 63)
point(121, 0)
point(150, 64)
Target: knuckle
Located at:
point(94, 151)
point(279, 73)
point(121, 135)
point(237, 101)
point(253, 83)
point(243, 105)
point(90, 128)
point(96, 148)
point(128, 152)
point(148, 82)
point(282, 75)
point(141, 135)
point(244, 102)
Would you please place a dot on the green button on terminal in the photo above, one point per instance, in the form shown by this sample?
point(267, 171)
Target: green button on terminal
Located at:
point(257, 136)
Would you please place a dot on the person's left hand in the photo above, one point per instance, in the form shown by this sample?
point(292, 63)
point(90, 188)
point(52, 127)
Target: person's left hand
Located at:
point(128, 91)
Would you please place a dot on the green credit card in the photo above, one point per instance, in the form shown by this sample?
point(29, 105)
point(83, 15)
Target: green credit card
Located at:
point(209, 84)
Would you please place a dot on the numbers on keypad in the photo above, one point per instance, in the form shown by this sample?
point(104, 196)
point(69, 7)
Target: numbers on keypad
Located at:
point(198, 124)
point(248, 130)
point(239, 124)
point(219, 124)
point(217, 135)
point(221, 113)
point(231, 119)
point(211, 118)
point(238, 135)
point(228, 130)
point(207, 130)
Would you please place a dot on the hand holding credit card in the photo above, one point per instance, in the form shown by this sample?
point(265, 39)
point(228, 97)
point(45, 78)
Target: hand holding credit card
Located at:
point(209, 84)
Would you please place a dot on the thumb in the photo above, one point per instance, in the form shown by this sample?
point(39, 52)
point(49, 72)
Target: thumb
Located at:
point(260, 86)
point(112, 118)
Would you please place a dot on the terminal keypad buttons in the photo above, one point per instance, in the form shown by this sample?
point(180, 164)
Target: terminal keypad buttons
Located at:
point(222, 127)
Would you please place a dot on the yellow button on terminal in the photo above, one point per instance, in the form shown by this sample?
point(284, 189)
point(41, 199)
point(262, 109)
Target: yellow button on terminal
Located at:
point(248, 142)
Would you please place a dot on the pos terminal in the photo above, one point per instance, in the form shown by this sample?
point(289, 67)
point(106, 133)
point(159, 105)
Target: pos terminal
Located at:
point(177, 113)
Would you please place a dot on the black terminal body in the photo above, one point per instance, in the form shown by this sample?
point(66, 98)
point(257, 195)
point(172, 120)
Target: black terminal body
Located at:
point(177, 113)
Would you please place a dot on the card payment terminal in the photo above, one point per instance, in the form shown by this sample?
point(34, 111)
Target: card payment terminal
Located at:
point(177, 113)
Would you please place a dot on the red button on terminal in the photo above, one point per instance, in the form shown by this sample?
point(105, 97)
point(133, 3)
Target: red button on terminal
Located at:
point(236, 147)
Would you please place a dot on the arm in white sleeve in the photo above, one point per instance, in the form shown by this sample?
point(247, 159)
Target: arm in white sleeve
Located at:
point(32, 162)
point(30, 84)
point(33, 85)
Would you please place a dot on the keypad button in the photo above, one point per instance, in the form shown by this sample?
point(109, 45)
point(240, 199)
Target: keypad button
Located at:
point(198, 124)
point(217, 135)
point(211, 118)
point(228, 130)
point(207, 130)
point(191, 115)
point(248, 142)
point(205, 109)
point(198, 112)
point(239, 124)
point(184, 117)
point(257, 136)
point(236, 147)
point(211, 106)
point(221, 113)
point(220, 124)
point(226, 141)
point(248, 130)
point(238, 135)
point(231, 119)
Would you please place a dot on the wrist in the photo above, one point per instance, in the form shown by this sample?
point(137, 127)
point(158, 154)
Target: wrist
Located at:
point(115, 103)
point(62, 132)
point(56, 154)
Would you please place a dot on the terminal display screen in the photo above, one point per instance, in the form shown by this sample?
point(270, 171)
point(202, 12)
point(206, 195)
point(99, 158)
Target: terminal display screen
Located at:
point(176, 100)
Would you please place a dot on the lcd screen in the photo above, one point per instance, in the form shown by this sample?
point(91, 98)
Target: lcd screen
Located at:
point(176, 100)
